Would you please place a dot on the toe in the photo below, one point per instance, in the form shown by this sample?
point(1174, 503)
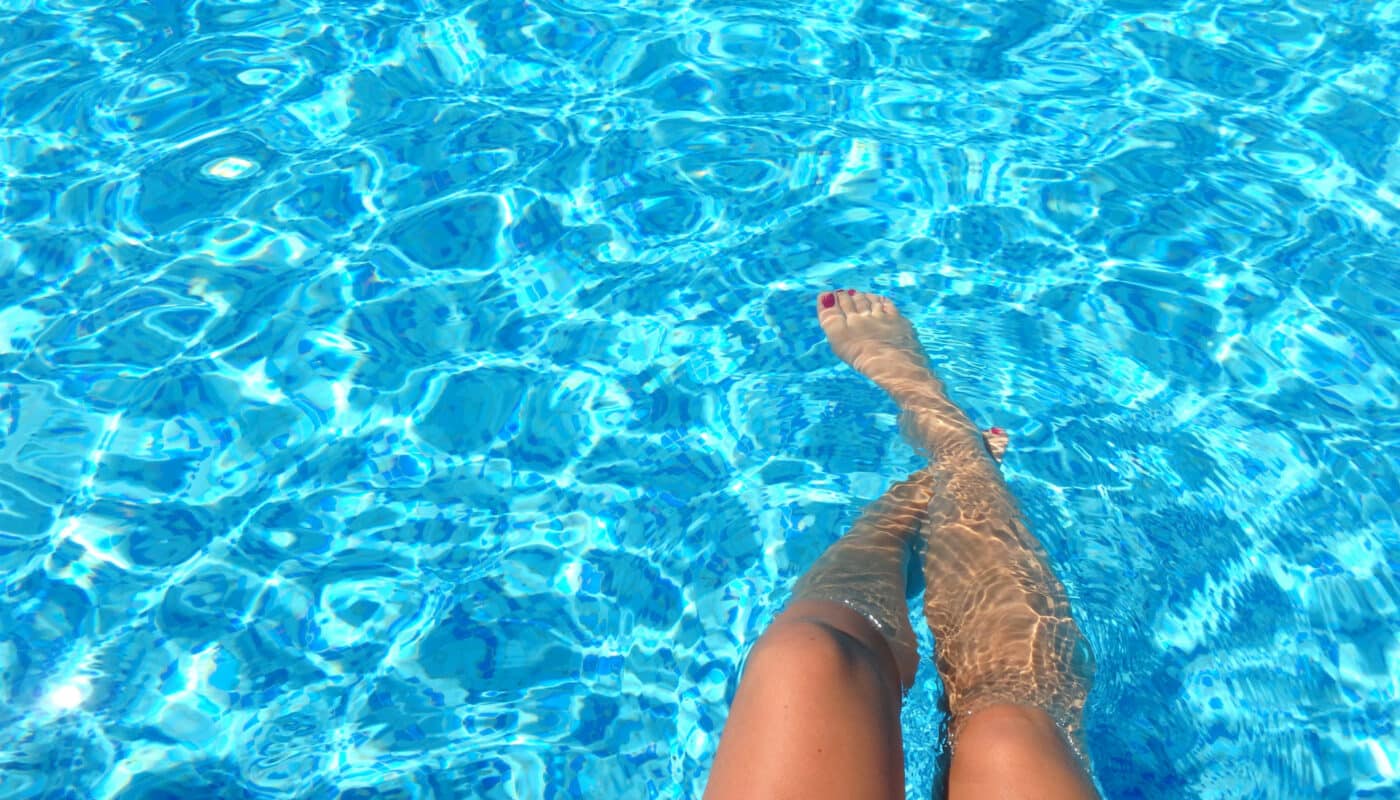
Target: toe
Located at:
point(826, 304)
point(846, 301)
point(882, 304)
point(997, 441)
point(862, 302)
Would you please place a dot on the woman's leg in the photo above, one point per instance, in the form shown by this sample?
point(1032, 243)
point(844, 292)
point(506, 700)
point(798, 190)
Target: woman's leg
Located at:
point(816, 714)
point(1014, 666)
point(817, 711)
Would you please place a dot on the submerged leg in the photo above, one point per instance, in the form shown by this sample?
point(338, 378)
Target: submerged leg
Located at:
point(1015, 667)
point(1000, 616)
point(817, 711)
point(865, 569)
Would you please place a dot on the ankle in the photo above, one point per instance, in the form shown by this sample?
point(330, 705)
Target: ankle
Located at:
point(935, 422)
point(922, 397)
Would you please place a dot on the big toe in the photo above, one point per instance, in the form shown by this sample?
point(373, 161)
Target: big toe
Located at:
point(997, 441)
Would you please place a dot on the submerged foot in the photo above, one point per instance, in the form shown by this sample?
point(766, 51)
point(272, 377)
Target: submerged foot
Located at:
point(996, 440)
point(868, 332)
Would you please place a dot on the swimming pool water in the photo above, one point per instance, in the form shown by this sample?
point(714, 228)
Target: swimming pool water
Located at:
point(423, 399)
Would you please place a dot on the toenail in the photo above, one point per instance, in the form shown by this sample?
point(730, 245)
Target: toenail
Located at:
point(828, 300)
point(851, 292)
point(995, 431)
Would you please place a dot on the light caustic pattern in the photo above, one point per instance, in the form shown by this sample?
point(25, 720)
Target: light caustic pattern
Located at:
point(424, 400)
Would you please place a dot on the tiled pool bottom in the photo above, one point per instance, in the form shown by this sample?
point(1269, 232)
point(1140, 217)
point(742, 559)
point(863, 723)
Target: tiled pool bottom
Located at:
point(424, 401)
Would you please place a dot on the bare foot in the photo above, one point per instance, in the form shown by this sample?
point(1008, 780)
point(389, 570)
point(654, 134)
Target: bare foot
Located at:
point(868, 332)
point(996, 440)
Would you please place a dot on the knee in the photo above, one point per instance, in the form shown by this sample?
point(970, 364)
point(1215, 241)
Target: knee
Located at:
point(1006, 732)
point(815, 650)
point(1009, 745)
point(1002, 720)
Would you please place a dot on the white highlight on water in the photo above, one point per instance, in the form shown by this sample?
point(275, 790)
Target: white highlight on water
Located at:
point(230, 168)
point(67, 696)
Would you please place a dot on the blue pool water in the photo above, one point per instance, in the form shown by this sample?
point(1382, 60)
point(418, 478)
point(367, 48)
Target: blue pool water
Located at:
point(423, 399)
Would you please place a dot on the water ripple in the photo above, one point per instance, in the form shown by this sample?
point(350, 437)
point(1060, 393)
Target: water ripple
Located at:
point(423, 398)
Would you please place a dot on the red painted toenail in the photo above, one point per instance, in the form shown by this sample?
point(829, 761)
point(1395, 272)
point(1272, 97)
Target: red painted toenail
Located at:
point(851, 292)
point(995, 431)
point(828, 300)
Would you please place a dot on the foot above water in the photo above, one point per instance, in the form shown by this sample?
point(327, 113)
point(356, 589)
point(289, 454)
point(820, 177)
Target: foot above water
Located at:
point(868, 332)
